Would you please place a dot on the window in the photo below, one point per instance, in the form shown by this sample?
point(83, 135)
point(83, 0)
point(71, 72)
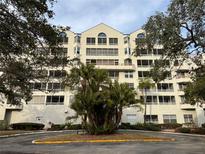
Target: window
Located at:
point(38, 86)
point(62, 52)
point(102, 40)
point(128, 74)
point(131, 116)
point(130, 85)
point(77, 39)
point(144, 63)
point(77, 50)
point(57, 73)
point(63, 38)
point(144, 52)
point(165, 87)
point(166, 100)
point(140, 35)
point(41, 73)
point(101, 51)
point(90, 40)
point(37, 100)
point(55, 86)
point(143, 74)
point(188, 118)
point(55, 100)
point(126, 40)
point(150, 100)
point(169, 118)
point(113, 41)
point(151, 118)
point(127, 51)
point(113, 74)
point(158, 51)
point(102, 61)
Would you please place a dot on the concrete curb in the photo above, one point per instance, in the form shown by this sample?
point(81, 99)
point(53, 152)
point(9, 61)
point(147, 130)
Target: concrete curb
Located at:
point(120, 130)
point(39, 132)
point(103, 141)
point(161, 132)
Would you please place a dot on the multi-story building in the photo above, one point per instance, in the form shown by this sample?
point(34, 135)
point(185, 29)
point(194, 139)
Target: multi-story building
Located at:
point(111, 50)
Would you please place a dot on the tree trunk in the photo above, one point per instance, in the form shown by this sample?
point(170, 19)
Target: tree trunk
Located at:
point(145, 104)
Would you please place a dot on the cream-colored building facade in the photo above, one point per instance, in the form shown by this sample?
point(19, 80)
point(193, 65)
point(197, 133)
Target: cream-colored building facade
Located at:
point(111, 50)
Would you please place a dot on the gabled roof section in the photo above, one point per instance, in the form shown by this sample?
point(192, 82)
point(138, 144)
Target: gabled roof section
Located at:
point(104, 25)
point(137, 30)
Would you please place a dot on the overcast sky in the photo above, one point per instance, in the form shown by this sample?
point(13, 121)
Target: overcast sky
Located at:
point(124, 15)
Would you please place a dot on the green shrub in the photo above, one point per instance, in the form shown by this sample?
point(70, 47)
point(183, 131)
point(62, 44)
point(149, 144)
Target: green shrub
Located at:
point(125, 126)
point(183, 130)
point(152, 127)
point(170, 126)
point(141, 126)
point(73, 126)
point(27, 126)
point(4, 125)
point(198, 131)
point(147, 126)
point(57, 127)
point(203, 125)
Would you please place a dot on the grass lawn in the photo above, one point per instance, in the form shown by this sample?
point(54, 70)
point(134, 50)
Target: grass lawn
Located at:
point(119, 137)
point(12, 132)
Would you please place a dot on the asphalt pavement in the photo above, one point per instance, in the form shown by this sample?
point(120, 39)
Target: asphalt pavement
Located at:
point(183, 145)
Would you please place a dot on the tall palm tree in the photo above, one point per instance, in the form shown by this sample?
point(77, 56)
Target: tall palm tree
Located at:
point(145, 85)
point(97, 100)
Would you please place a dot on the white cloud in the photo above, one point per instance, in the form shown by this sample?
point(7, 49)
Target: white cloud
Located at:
point(124, 15)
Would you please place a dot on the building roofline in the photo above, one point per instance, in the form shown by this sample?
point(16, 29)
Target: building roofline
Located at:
point(102, 24)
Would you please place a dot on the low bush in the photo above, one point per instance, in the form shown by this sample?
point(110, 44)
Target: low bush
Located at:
point(57, 127)
point(183, 130)
point(4, 125)
point(170, 126)
point(125, 126)
point(67, 126)
point(203, 125)
point(27, 126)
point(140, 126)
point(73, 126)
point(198, 131)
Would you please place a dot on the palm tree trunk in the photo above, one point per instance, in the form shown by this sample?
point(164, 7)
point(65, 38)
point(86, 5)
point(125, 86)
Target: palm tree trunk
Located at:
point(145, 104)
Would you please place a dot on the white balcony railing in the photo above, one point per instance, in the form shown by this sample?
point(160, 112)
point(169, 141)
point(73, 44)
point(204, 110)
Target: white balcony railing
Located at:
point(116, 67)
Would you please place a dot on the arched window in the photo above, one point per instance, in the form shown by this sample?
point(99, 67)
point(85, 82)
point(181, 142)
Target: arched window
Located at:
point(140, 35)
point(63, 37)
point(102, 38)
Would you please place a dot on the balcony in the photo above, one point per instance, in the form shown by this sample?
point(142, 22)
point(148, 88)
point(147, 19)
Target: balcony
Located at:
point(121, 67)
point(14, 107)
point(187, 106)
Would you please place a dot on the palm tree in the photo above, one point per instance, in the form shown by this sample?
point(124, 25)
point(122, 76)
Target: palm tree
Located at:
point(122, 96)
point(145, 85)
point(97, 100)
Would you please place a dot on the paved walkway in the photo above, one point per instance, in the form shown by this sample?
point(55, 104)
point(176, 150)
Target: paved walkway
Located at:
point(182, 145)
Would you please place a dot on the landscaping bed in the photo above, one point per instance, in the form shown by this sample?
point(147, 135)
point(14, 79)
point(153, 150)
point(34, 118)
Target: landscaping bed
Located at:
point(118, 137)
point(12, 132)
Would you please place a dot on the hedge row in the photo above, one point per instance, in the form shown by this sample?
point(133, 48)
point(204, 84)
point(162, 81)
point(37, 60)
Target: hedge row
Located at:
point(140, 126)
point(191, 130)
point(65, 127)
point(149, 126)
point(27, 126)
